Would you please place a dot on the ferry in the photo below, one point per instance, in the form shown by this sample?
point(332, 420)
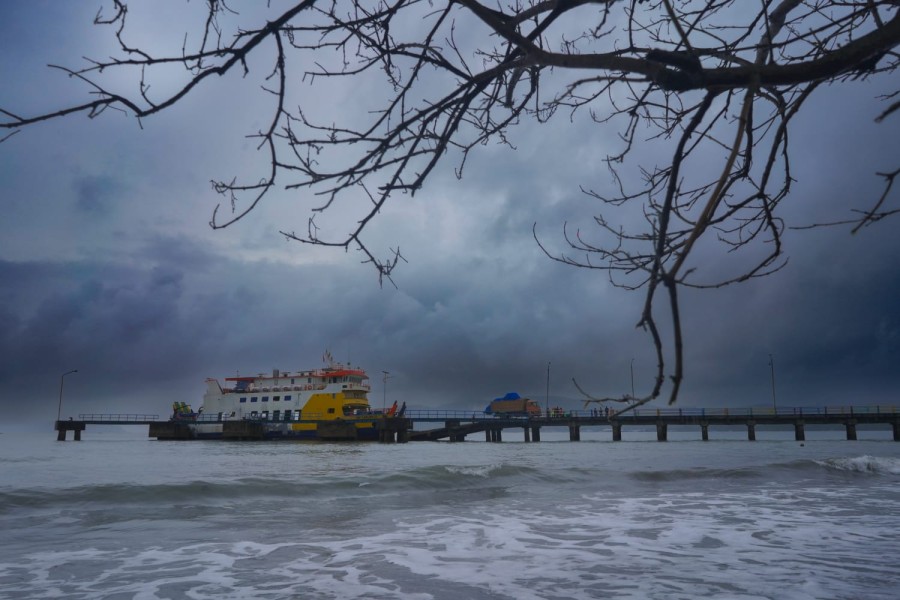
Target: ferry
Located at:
point(329, 403)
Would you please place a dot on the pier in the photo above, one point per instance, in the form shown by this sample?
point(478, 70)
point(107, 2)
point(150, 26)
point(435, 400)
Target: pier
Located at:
point(456, 426)
point(63, 427)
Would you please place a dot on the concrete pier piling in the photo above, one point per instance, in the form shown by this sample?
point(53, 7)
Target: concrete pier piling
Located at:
point(63, 427)
point(662, 432)
point(574, 433)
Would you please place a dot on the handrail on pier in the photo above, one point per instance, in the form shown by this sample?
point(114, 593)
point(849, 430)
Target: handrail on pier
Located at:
point(119, 418)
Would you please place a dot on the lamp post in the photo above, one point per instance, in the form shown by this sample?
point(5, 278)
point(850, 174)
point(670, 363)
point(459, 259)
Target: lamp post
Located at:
point(62, 379)
point(384, 392)
point(632, 378)
point(548, 389)
point(772, 367)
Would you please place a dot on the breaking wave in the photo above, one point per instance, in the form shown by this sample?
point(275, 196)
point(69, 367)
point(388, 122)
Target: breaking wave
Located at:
point(864, 464)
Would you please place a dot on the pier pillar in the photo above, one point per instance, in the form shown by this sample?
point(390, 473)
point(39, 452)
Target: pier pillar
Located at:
point(62, 427)
point(662, 432)
point(498, 435)
point(851, 430)
point(617, 432)
point(704, 431)
point(574, 433)
point(751, 431)
point(799, 431)
point(896, 426)
point(488, 435)
point(527, 433)
point(536, 434)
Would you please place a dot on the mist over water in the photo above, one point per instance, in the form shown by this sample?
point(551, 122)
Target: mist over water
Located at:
point(120, 516)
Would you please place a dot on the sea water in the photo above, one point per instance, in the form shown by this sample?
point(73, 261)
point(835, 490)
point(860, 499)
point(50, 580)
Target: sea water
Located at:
point(119, 516)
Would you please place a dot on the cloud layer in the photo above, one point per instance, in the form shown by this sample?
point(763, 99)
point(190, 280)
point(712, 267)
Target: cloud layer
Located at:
point(109, 267)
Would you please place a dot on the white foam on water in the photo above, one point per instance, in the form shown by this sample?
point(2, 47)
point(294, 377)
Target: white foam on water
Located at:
point(519, 537)
point(475, 470)
point(766, 543)
point(864, 464)
point(741, 546)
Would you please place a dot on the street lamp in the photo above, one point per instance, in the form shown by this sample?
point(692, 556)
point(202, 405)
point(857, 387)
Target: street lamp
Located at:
point(62, 378)
point(384, 397)
point(548, 388)
point(772, 366)
point(632, 378)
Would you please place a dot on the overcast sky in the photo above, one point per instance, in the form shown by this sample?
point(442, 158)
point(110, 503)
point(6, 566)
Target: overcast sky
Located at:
point(109, 266)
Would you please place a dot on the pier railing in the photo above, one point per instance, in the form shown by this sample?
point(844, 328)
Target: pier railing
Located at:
point(96, 418)
point(761, 411)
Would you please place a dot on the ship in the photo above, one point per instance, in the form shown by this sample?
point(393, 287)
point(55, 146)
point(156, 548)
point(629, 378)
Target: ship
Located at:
point(328, 403)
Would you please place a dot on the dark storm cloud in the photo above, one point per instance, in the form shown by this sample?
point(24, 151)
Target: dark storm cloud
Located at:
point(96, 195)
point(830, 319)
point(146, 301)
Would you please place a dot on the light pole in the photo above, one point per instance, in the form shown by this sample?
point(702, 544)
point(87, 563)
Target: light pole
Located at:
point(772, 366)
point(62, 378)
point(384, 388)
point(548, 389)
point(632, 378)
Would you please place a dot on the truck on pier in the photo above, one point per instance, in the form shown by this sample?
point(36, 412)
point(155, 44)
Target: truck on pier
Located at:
point(513, 405)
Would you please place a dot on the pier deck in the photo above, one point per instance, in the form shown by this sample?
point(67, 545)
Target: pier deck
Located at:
point(456, 425)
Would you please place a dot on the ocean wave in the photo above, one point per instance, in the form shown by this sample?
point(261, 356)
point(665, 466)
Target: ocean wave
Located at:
point(857, 464)
point(863, 464)
point(477, 471)
point(697, 473)
point(155, 493)
point(248, 489)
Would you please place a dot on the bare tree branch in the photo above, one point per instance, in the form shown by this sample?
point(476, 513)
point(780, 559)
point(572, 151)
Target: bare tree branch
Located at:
point(717, 83)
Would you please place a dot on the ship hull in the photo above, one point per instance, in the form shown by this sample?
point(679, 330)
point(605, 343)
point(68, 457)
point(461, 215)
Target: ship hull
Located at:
point(334, 431)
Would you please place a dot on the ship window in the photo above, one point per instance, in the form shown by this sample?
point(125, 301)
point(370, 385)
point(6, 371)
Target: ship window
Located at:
point(330, 411)
point(276, 398)
point(276, 415)
point(244, 399)
point(253, 398)
point(292, 381)
point(265, 399)
point(287, 398)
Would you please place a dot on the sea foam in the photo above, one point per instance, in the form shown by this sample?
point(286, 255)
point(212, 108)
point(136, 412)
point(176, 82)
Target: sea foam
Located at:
point(864, 464)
